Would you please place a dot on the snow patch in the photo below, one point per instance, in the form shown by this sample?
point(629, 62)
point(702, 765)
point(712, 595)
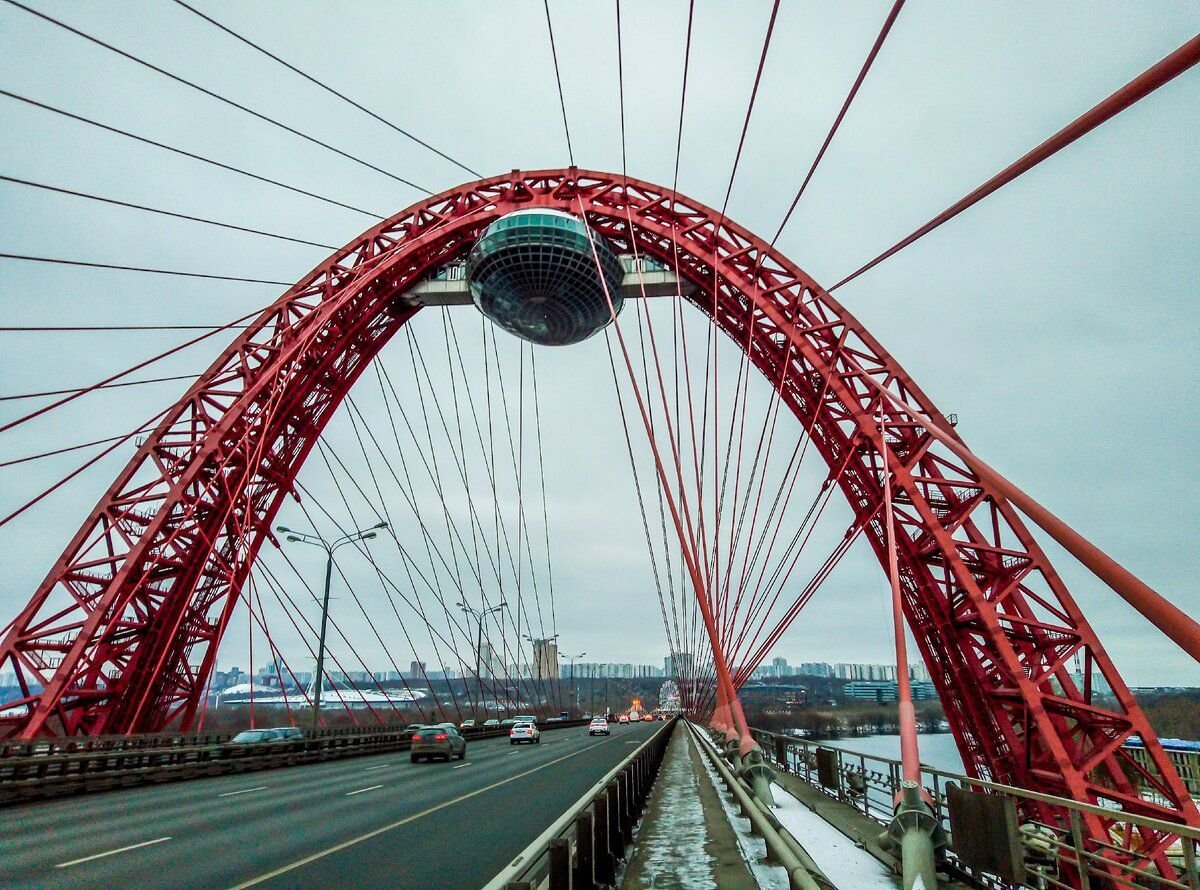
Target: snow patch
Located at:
point(672, 845)
point(844, 863)
point(753, 847)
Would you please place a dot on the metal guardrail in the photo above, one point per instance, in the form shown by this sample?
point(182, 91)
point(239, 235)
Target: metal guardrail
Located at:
point(585, 846)
point(782, 847)
point(1054, 855)
point(125, 763)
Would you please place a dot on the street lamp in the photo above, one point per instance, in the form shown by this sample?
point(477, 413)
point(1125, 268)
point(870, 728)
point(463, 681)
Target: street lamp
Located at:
point(479, 615)
point(328, 546)
point(573, 659)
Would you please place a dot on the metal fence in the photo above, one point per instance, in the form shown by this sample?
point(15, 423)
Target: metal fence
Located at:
point(1053, 855)
point(35, 770)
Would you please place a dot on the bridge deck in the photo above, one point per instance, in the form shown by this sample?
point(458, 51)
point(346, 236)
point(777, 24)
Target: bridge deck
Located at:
point(371, 821)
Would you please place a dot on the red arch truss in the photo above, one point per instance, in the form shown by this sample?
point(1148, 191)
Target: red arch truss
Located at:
point(123, 632)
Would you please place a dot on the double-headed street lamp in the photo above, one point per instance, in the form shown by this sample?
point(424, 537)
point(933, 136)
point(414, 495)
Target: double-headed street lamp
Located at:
point(328, 546)
point(479, 616)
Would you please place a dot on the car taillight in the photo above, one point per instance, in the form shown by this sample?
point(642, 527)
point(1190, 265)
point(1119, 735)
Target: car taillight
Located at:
point(440, 737)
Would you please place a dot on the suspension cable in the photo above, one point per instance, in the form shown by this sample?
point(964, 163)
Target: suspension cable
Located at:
point(62, 262)
point(188, 154)
point(1141, 86)
point(79, 389)
point(562, 102)
point(220, 98)
point(837, 122)
point(171, 213)
point(137, 367)
point(316, 82)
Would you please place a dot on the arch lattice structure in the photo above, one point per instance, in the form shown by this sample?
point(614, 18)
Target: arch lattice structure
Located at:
point(123, 632)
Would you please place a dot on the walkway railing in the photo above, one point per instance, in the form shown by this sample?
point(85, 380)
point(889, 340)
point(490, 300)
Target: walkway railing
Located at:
point(1043, 855)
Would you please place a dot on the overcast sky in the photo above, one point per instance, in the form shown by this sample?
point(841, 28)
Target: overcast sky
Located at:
point(1058, 319)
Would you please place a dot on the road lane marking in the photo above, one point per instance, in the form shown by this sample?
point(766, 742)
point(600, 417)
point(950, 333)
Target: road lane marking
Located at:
point(361, 790)
point(243, 791)
point(381, 766)
point(394, 825)
point(112, 852)
point(460, 766)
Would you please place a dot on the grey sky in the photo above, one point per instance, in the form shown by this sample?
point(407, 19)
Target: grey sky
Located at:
point(1058, 319)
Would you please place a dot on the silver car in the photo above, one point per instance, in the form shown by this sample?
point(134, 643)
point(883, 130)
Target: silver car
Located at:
point(442, 741)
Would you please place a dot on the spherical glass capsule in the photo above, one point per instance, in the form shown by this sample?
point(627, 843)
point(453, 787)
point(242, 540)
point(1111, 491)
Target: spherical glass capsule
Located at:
point(533, 273)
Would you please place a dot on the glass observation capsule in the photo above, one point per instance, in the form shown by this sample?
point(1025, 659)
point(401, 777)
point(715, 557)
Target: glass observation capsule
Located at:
point(533, 273)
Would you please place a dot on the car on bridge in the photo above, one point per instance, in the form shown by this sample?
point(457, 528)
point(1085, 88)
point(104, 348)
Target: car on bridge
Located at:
point(524, 732)
point(491, 723)
point(262, 736)
point(624, 718)
point(438, 741)
point(467, 724)
point(599, 726)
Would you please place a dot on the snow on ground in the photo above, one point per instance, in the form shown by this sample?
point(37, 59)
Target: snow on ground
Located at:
point(673, 843)
point(843, 863)
point(754, 848)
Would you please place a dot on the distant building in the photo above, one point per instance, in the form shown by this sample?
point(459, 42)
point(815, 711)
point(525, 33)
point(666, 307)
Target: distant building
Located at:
point(545, 659)
point(416, 668)
point(883, 691)
point(680, 664)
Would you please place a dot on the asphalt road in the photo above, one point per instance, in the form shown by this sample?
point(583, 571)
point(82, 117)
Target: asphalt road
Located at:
point(377, 821)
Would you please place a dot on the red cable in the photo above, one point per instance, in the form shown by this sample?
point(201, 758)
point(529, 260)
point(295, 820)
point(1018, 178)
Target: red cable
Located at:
point(1141, 86)
point(862, 75)
point(118, 376)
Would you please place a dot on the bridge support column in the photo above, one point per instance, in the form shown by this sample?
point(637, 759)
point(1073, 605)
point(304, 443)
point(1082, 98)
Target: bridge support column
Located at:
point(914, 830)
point(758, 776)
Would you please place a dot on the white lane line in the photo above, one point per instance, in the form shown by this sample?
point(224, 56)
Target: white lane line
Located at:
point(361, 790)
point(112, 852)
point(243, 791)
point(460, 766)
point(386, 828)
point(511, 753)
point(381, 766)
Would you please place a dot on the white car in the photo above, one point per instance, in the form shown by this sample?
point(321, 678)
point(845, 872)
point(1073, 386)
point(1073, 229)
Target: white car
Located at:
point(524, 732)
point(599, 726)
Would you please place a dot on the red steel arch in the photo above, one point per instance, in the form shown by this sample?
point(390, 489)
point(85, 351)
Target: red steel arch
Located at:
point(123, 632)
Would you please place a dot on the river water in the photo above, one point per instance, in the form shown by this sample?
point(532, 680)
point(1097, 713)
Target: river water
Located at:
point(937, 749)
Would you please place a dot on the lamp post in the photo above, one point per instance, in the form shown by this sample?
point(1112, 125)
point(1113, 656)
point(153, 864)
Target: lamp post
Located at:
point(573, 659)
point(479, 615)
point(328, 546)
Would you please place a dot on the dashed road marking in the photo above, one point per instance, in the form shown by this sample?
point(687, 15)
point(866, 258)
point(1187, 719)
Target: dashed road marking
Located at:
point(243, 791)
point(394, 825)
point(381, 766)
point(112, 852)
point(460, 766)
point(361, 790)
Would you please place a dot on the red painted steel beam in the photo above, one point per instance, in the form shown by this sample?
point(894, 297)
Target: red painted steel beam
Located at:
point(1141, 86)
point(140, 592)
point(1177, 625)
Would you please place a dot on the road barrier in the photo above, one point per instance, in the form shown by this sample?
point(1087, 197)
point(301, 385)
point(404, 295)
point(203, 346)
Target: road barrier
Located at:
point(584, 847)
point(35, 770)
point(1016, 852)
